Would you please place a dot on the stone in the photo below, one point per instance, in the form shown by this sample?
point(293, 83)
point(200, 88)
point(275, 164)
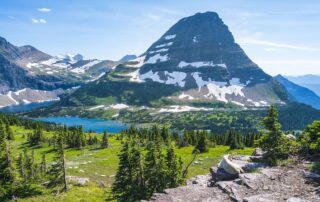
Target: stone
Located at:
point(311, 175)
point(228, 166)
point(291, 137)
point(219, 174)
point(295, 199)
point(258, 152)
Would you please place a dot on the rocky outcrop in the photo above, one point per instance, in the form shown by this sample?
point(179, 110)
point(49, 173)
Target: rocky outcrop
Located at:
point(258, 183)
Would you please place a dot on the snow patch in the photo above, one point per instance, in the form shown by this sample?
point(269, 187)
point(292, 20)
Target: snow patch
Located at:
point(119, 106)
point(185, 96)
point(10, 96)
point(195, 40)
point(169, 37)
point(171, 77)
point(20, 91)
point(156, 58)
point(164, 45)
point(235, 81)
point(220, 92)
point(200, 82)
point(159, 51)
point(82, 69)
point(177, 109)
point(139, 62)
point(237, 103)
point(200, 64)
point(135, 76)
point(96, 107)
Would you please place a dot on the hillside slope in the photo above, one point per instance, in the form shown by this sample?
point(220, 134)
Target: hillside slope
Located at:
point(298, 93)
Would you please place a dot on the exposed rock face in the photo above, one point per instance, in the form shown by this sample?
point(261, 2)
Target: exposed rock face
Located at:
point(21, 55)
point(13, 77)
point(273, 184)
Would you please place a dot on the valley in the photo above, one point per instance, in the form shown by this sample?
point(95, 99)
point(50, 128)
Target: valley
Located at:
point(150, 127)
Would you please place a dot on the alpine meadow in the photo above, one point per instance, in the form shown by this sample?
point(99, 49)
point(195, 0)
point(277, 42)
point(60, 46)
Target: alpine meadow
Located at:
point(168, 101)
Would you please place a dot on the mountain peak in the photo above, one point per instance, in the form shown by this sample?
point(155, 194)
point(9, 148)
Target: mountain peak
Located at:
point(202, 44)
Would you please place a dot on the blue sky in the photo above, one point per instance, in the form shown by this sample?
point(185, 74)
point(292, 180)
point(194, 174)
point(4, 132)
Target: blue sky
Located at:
point(280, 36)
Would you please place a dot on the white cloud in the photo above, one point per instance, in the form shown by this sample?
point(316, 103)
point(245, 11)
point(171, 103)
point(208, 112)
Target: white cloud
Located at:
point(270, 49)
point(38, 21)
point(251, 41)
point(153, 17)
point(44, 10)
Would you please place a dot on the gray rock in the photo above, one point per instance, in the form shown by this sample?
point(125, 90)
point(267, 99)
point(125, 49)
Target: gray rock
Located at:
point(258, 152)
point(311, 175)
point(219, 174)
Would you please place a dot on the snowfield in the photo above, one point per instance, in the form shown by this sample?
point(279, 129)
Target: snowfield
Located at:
point(177, 109)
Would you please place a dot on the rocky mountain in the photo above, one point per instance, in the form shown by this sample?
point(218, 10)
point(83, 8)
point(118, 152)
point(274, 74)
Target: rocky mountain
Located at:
point(26, 67)
point(21, 55)
point(298, 93)
point(309, 81)
point(197, 59)
point(127, 58)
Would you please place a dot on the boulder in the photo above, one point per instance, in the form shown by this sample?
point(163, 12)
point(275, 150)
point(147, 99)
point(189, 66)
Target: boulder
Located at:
point(258, 152)
point(291, 137)
point(230, 167)
point(219, 174)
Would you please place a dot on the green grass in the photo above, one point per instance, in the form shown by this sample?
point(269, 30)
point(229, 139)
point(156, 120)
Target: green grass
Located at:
point(100, 165)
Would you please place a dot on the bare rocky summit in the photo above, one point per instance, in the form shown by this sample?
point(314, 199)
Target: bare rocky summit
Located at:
point(258, 183)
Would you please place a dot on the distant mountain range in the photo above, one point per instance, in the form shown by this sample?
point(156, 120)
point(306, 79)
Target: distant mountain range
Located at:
point(29, 75)
point(309, 81)
point(298, 93)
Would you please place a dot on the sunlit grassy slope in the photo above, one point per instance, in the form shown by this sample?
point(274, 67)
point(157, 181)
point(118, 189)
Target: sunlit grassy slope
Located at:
point(100, 165)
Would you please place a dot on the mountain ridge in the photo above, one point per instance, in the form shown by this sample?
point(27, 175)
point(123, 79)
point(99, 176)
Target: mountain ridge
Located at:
point(299, 93)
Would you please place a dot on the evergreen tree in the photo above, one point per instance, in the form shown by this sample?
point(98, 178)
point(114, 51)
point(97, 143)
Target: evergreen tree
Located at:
point(43, 165)
point(36, 137)
point(105, 140)
point(7, 169)
point(9, 131)
point(155, 173)
point(174, 168)
point(122, 186)
point(21, 167)
point(202, 143)
point(271, 141)
point(58, 169)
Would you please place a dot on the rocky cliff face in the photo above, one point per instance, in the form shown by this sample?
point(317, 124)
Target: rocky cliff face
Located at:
point(21, 55)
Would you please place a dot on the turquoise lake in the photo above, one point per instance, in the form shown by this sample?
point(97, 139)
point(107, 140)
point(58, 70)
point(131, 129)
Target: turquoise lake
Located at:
point(96, 125)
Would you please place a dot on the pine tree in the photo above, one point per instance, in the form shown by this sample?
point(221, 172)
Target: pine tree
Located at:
point(202, 143)
point(43, 165)
point(21, 167)
point(137, 178)
point(7, 169)
point(122, 186)
point(271, 141)
point(58, 169)
point(105, 140)
point(155, 173)
point(174, 166)
point(9, 131)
